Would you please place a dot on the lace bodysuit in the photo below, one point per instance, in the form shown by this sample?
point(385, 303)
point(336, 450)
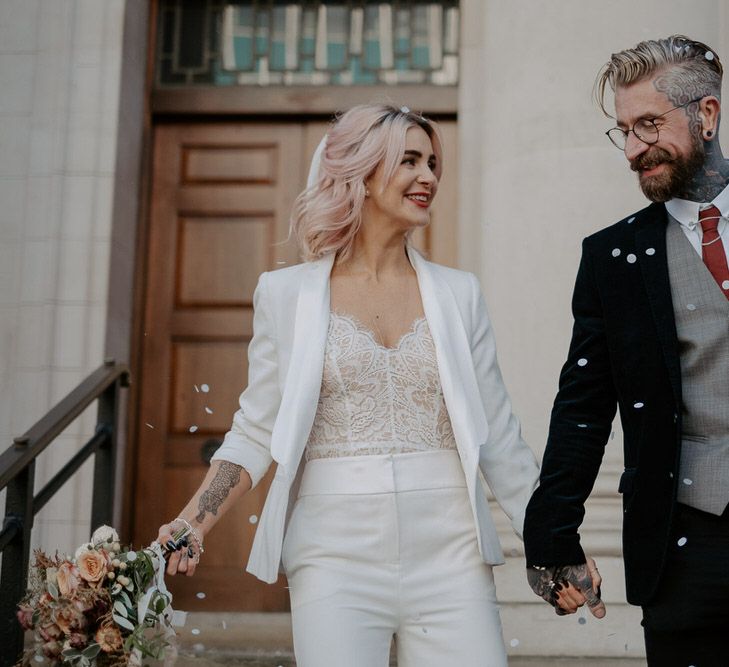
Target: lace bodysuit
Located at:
point(378, 400)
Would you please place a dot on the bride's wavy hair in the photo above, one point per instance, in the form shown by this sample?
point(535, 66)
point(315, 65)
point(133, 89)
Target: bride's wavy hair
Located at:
point(327, 215)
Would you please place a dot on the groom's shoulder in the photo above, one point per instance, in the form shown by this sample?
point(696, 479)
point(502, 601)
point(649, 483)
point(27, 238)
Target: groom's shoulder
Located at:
point(626, 227)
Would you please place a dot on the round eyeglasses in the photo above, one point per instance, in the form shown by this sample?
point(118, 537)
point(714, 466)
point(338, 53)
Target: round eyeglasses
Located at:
point(644, 128)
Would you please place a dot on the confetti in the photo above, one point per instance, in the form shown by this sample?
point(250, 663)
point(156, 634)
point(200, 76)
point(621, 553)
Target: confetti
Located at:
point(690, 306)
point(650, 251)
point(150, 425)
point(581, 425)
point(582, 620)
point(630, 220)
point(40, 658)
point(208, 410)
point(200, 596)
point(196, 388)
point(425, 631)
point(687, 481)
point(131, 556)
point(225, 625)
point(582, 362)
point(616, 252)
point(612, 435)
point(280, 263)
point(631, 258)
point(195, 631)
point(204, 388)
point(681, 541)
point(638, 405)
point(198, 648)
point(514, 643)
point(193, 428)
point(725, 284)
point(709, 56)
point(253, 519)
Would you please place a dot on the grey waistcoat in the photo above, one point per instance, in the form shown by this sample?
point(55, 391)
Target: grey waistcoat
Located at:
point(702, 323)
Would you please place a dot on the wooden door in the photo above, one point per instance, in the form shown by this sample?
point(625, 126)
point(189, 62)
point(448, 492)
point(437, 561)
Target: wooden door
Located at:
point(221, 197)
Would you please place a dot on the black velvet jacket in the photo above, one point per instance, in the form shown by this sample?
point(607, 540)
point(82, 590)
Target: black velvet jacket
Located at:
point(624, 354)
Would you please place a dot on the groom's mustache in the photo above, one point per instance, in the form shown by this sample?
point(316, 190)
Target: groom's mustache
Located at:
point(651, 158)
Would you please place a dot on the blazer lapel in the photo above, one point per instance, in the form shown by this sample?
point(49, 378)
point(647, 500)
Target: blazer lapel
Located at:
point(651, 234)
point(303, 380)
point(453, 355)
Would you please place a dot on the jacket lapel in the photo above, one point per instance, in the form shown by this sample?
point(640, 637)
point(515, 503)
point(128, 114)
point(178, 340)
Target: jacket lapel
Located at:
point(651, 233)
point(303, 380)
point(453, 355)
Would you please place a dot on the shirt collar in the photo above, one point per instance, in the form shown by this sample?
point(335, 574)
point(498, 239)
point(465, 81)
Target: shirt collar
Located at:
point(686, 212)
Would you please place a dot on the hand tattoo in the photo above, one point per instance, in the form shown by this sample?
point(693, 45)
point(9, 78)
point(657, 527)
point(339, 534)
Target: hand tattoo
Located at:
point(546, 582)
point(543, 581)
point(227, 477)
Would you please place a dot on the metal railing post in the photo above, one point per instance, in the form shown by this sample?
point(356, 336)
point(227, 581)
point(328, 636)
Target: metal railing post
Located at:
point(16, 557)
point(103, 493)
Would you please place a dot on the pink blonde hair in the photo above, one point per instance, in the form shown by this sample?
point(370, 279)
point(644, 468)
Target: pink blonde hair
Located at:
point(327, 216)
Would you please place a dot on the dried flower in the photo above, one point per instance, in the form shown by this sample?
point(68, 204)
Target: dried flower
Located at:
point(92, 566)
point(69, 618)
point(52, 649)
point(25, 616)
point(109, 638)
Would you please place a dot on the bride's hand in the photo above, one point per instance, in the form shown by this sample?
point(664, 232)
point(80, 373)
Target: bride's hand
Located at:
point(182, 560)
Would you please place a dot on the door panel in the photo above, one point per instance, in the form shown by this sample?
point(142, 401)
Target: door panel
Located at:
point(221, 198)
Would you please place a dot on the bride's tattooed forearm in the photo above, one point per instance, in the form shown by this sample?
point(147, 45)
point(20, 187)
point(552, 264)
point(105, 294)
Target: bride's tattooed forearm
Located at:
point(227, 477)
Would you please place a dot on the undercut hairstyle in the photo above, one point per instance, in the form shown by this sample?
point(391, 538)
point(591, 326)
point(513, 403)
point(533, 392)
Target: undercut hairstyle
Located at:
point(327, 216)
point(688, 69)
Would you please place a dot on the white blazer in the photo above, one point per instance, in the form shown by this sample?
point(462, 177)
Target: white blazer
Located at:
point(286, 359)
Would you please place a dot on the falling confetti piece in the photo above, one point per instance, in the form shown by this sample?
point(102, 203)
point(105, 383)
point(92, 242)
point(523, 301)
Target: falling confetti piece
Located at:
point(638, 405)
point(279, 263)
point(582, 620)
point(204, 388)
point(195, 631)
point(709, 56)
point(582, 362)
point(40, 658)
point(616, 252)
point(581, 425)
point(201, 596)
point(681, 541)
point(514, 643)
point(631, 258)
point(225, 625)
point(612, 435)
point(630, 220)
point(687, 481)
point(193, 428)
point(196, 388)
point(252, 519)
point(198, 648)
point(690, 306)
point(425, 631)
point(150, 425)
point(208, 410)
point(650, 251)
point(725, 284)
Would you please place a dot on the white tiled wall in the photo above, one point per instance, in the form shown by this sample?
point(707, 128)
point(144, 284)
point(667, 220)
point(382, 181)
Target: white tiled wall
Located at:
point(59, 77)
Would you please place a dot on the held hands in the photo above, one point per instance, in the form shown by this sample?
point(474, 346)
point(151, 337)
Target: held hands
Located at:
point(182, 544)
point(569, 587)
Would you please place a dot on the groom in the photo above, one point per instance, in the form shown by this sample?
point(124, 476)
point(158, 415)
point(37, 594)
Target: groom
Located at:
point(651, 337)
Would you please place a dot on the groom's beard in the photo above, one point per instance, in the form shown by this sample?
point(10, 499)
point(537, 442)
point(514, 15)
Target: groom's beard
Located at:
point(676, 179)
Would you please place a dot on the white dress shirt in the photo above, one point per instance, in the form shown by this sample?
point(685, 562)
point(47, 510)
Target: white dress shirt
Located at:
point(686, 213)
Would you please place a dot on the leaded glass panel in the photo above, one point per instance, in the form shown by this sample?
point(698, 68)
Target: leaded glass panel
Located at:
point(360, 42)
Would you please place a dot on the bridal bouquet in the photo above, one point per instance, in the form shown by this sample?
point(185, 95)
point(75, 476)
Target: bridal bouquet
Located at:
point(107, 606)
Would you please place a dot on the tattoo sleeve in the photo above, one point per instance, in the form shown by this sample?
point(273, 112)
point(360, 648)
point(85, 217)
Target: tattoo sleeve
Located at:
point(227, 477)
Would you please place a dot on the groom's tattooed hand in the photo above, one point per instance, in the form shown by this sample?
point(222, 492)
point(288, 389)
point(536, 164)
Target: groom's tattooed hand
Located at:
point(580, 577)
point(543, 581)
point(227, 477)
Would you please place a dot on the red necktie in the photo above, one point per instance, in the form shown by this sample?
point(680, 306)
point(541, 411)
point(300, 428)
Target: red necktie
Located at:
point(712, 248)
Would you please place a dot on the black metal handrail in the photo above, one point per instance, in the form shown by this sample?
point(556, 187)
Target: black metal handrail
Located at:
point(17, 474)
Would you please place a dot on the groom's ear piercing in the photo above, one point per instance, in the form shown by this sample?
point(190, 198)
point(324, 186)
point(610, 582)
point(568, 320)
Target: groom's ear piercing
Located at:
point(709, 134)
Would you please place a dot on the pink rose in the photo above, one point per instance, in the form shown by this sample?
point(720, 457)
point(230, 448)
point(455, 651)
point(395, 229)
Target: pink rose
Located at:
point(92, 566)
point(25, 616)
point(76, 640)
point(68, 579)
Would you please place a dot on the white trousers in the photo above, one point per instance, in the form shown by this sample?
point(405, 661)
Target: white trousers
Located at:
point(386, 545)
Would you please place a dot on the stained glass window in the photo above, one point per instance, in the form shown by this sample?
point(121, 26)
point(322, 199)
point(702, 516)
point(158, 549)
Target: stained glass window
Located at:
point(264, 43)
